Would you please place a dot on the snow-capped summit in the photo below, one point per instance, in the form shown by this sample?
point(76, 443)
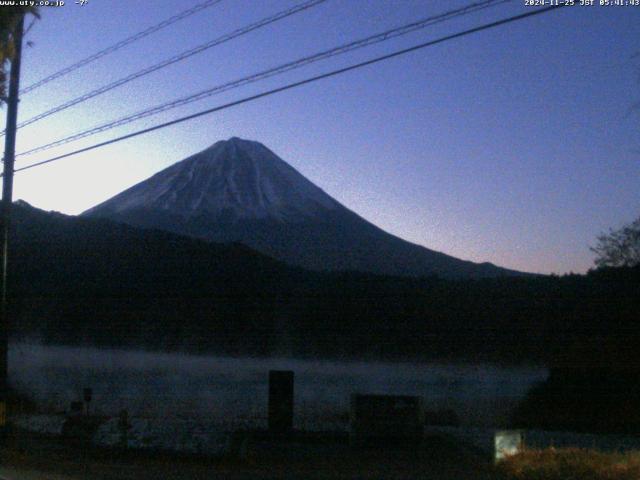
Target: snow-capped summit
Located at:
point(235, 179)
point(240, 191)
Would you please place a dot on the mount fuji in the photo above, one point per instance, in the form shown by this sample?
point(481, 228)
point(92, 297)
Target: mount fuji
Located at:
point(240, 191)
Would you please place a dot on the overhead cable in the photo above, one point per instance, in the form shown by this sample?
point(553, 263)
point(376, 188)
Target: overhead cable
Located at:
point(176, 58)
point(290, 86)
point(342, 49)
point(92, 58)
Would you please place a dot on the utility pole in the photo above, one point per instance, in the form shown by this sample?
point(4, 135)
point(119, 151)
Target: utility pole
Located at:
point(5, 218)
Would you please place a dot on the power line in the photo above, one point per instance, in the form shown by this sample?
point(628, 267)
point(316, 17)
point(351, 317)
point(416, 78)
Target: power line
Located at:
point(364, 42)
point(177, 58)
point(169, 21)
point(299, 83)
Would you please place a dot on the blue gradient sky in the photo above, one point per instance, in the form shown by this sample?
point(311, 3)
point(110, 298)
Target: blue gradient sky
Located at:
point(514, 146)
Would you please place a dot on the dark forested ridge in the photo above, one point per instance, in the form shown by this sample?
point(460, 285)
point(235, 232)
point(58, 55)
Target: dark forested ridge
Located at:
point(90, 281)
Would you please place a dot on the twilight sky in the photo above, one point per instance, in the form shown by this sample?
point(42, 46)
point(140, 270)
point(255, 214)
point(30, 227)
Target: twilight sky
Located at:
point(516, 145)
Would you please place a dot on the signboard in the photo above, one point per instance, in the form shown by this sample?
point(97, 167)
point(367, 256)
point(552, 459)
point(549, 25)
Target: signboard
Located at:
point(394, 417)
point(507, 442)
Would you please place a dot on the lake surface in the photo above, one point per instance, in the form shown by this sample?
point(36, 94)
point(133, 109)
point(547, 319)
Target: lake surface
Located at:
point(232, 392)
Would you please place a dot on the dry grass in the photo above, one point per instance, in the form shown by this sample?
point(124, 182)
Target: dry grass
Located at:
point(570, 464)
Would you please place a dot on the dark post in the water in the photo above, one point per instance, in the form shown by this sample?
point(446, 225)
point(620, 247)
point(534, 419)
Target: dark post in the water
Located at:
point(87, 393)
point(5, 217)
point(280, 401)
point(123, 427)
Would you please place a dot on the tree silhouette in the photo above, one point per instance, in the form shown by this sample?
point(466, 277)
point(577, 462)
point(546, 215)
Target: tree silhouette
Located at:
point(619, 248)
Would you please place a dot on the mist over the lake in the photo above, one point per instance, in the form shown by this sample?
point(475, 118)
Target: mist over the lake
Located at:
point(232, 391)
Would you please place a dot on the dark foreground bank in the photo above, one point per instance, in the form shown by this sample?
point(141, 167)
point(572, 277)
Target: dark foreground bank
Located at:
point(330, 456)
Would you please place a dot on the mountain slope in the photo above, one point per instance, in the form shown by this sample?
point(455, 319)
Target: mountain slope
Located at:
point(240, 191)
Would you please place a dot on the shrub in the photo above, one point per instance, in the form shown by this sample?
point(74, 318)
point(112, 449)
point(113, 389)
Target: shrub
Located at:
point(570, 464)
